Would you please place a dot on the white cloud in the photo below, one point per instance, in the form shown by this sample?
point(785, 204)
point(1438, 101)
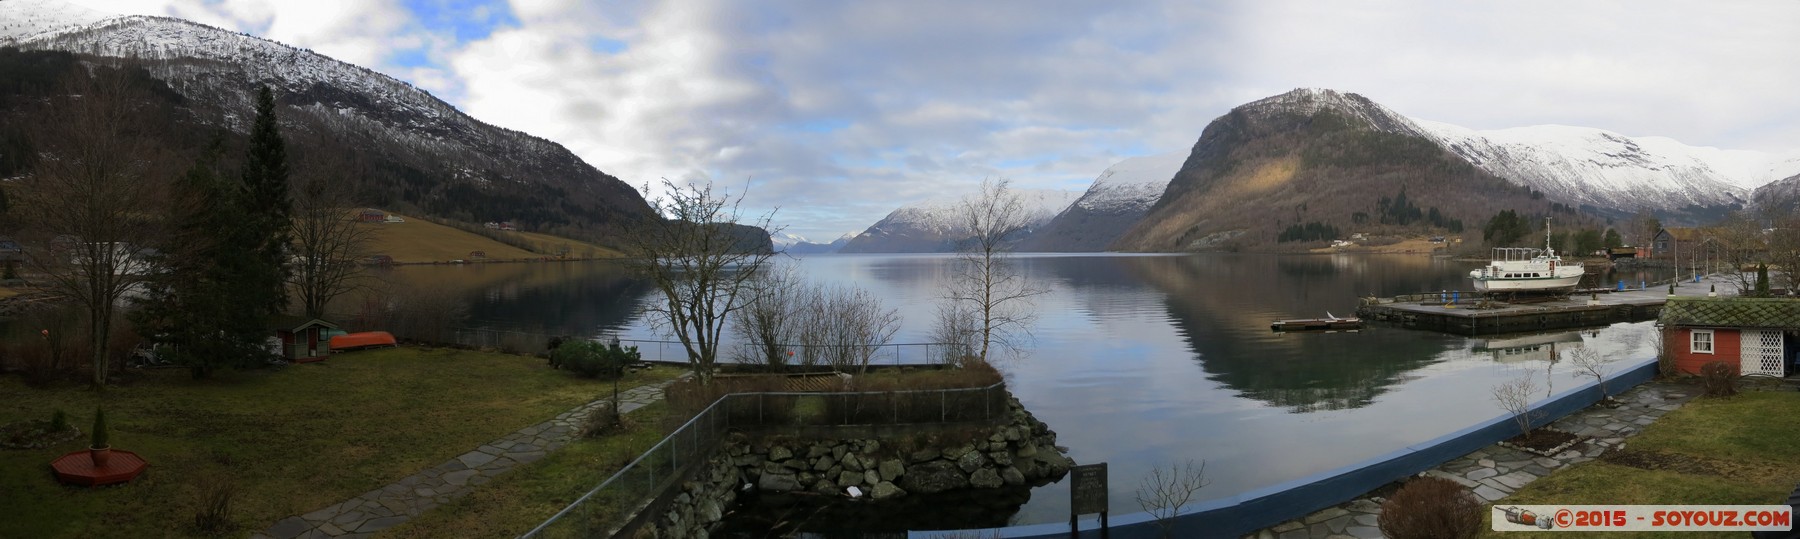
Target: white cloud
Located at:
point(840, 111)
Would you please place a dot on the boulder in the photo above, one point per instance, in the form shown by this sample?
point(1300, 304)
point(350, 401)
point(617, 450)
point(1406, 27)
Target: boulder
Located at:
point(892, 469)
point(778, 482)
point(933, 477)
point(953, 453)
point(985, 478)
point(815, 451)
point(824, 463)
point(780, 453)
point(871, 446)
point(885, 490)
point(709, 511)
point(1012, 476)
point(852, 463)
point(971, 461)
point(1026, 451)
point(849, 479)
point(870, 476)
point(825, 487)
point(1000, 458)
point(923, 455)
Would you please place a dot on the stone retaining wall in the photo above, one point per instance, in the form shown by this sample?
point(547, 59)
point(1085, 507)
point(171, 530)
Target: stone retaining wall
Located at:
point(1021, 451)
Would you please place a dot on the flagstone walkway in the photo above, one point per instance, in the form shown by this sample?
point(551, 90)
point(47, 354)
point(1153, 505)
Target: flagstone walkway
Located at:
point(391, 505)
point(1495, 472)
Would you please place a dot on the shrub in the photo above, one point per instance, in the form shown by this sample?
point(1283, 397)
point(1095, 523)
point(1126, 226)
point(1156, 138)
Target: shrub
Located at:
point(212, 504)
point(99, 428)
point(1430, 508)
point(603, 420)
point(1719, 379)
point(59, 421)
point(594, 360)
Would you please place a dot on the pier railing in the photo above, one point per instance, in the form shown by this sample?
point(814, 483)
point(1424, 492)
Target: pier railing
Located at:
point(622, 497)
point(894, 354)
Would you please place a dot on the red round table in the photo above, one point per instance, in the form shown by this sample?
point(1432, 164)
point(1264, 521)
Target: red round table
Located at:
point(77, 468)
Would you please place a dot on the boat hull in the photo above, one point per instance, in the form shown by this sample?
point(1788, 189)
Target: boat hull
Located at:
point(1540, 284)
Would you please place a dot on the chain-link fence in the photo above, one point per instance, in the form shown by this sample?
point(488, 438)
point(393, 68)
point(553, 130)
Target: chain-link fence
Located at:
point(603, 510)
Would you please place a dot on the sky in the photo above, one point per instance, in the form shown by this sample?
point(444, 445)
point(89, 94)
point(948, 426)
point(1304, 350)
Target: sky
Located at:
point(834, 113)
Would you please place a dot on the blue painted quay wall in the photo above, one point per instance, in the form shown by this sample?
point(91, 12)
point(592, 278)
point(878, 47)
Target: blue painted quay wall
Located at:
point(1257, 509)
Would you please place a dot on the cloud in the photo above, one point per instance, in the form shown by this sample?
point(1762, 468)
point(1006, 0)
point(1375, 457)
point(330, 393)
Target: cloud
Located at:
point(839, 111)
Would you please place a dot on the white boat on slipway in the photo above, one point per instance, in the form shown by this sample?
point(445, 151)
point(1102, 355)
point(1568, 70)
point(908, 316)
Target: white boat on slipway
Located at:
point(1525, 269)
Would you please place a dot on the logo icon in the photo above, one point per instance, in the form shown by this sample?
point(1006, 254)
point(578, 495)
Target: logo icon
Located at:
point(1516, 515)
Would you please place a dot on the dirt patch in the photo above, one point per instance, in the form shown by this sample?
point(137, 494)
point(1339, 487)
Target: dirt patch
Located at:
point(1687, 464)
point(1661, 460)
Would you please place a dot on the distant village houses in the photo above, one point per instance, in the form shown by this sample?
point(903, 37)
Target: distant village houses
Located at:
point(372, 216)
point(500, 225)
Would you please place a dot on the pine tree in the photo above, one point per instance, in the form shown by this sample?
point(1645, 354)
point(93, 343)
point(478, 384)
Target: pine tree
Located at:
point(195, 305)
point(268, 208)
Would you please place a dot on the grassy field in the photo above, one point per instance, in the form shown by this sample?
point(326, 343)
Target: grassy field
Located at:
point(418, 240)
point(549, 245)
point(293, 440)
point(516, 502)
point(1736, 451)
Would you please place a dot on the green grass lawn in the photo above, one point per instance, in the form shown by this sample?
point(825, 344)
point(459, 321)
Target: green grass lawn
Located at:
point(1737, 451)
point(518, 501)
point(292, 440)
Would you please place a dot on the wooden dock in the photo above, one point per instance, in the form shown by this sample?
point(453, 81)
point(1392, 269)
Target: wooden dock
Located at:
point(1475, 315)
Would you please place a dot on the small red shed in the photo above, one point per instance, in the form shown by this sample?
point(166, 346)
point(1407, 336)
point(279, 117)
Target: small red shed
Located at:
point(1758, 335)
point(303, 339)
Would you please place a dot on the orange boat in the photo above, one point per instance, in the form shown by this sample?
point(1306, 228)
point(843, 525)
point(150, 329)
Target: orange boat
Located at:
point(367, 339)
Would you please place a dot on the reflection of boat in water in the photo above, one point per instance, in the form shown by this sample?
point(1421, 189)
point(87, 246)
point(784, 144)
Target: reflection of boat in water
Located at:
point(1524, 269)
point(1539, 346)
point(1329, 323)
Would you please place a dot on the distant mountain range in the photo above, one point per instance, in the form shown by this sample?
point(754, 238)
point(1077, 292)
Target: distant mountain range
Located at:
point(936, 226)
point(796, 244)
point(414, 152)
point(1335, 159)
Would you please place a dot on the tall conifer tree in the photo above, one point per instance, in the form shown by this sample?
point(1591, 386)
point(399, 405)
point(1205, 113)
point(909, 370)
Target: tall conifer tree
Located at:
point(268, 207)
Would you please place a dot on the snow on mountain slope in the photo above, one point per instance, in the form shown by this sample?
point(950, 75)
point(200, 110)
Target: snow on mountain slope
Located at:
point(1132, 184)
point(457, 163)
point(1600, 168)
point(783, 240)
point(936, 225)
point(22, 19)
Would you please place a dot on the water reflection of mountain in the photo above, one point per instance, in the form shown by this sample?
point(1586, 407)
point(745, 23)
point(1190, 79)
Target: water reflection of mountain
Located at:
point(568, 298)
point(1223, 305)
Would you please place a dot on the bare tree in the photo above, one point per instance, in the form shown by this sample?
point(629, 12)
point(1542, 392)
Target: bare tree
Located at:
point(1515, 396)
point(1643, 228)
point(328, 242)
point(1741, 244)
point(1594, 364)
point(702, 261)
point(858, 326)
point(1165, 491)
point(90, 198)
point(772, 317)
point(986, 280)
point(1784, 252)
point(956, 329)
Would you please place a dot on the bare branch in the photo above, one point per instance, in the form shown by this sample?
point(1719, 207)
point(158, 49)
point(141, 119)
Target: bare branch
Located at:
point(1165, 491)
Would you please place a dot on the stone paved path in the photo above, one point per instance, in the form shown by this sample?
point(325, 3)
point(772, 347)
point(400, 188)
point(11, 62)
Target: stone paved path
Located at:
point(391, 505)
point(1494, 472)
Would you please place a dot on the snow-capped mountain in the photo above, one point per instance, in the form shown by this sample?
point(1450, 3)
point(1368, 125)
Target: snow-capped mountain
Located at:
point(935, 226)
point(1609, 171)
point(429, 155)
point(783, 240)
point(1117, 199)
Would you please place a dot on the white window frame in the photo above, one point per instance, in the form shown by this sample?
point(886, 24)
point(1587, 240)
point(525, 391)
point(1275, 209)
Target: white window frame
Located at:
point(1712, 342)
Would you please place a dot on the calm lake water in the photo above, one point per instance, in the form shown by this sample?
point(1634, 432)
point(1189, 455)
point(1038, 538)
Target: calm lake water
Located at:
point(1146, 361)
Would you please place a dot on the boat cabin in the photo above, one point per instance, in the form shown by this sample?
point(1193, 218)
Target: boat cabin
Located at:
point(1759, 336)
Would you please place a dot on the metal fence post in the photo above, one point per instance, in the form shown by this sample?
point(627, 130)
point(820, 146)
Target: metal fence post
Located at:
point(943, 406)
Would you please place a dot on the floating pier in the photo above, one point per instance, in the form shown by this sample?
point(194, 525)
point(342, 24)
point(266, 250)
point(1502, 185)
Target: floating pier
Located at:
point(1466, 313)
